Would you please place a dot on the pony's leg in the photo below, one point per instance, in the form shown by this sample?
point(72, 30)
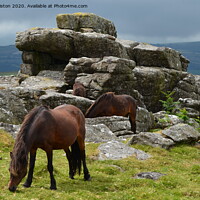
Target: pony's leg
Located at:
point(85, 169)
point(31, 168)
point(69, 158)
point(132, 119)
point(50, 169)
point(83, 158)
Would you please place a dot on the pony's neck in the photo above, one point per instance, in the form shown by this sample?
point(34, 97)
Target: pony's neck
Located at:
point(28, 141)
point(20, 153)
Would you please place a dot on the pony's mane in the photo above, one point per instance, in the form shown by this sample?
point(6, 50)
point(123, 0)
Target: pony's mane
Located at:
point(20, 149)
point(104, 97)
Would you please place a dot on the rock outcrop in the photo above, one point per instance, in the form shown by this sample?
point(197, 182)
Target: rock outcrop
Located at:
point(152, 81)
point(187, 91)
point(12, 107)
point(164, 120)
point(103, 75)
point(84, 49)
point(45, 48)
point(18, 97)
point(192, 106)
point(85, 46)
point(169, 137)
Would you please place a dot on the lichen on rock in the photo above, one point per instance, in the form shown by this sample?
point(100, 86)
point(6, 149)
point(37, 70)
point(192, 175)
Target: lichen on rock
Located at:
point(81, 21)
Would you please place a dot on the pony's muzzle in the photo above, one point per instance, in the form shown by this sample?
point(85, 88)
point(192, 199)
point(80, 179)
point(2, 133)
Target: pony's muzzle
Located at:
point(13, 188)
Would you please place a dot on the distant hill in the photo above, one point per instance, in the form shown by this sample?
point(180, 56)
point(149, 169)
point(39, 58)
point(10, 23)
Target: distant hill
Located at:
point(10, 56)
point(191, 50)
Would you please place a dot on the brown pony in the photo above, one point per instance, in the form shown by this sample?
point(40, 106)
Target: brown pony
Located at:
point(79, 89)
point(110, 104)
point(49, 129)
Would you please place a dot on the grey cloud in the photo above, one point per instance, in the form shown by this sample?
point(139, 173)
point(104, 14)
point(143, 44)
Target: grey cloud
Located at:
point(147, 20)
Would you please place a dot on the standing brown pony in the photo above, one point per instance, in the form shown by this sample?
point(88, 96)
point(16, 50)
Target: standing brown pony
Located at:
point(79, 90)
point(48, 129)
point(110, 104)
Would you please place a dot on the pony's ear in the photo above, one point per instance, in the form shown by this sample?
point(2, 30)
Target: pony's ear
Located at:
point(11, 155)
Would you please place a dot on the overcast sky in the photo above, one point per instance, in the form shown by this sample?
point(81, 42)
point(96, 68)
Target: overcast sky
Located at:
point(152, 21)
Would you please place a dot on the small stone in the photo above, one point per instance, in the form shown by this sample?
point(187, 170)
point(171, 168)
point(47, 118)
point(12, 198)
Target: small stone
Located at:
point(149, 175)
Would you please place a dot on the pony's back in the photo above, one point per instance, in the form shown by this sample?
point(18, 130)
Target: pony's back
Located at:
point(99, 105)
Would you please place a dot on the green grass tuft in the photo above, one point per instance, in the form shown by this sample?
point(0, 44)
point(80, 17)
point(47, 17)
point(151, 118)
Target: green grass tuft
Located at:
point(110, 179)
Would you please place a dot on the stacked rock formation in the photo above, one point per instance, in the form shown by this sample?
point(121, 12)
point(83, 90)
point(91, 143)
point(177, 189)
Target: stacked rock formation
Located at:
point(85, 46)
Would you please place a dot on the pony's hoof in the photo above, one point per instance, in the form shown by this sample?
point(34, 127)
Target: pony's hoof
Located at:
point(53, 188)
point(27, 185)
point(87, 177)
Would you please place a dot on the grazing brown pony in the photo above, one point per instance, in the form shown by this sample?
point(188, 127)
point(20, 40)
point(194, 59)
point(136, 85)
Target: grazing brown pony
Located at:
point(79, 90)
point(49, 129)
point(110, 104)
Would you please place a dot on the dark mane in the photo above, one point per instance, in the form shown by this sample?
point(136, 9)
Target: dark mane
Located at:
point(104, 97)
point(20, 149)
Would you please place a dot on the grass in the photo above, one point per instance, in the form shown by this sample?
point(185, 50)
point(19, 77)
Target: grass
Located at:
point(110, 179)
point(8, 73)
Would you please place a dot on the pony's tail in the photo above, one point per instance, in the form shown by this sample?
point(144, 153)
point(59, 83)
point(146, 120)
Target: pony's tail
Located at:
point(76, 157)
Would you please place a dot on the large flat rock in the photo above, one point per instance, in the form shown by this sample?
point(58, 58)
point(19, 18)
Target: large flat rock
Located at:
point(152, 139)
point(43, 83)
point(182, 133)
point(149, 55)
point(53, 99)
point(99, 133)
point(114, 150)
point(84, 22)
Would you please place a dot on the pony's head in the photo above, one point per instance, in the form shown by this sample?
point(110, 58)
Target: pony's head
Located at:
point(18, 170)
